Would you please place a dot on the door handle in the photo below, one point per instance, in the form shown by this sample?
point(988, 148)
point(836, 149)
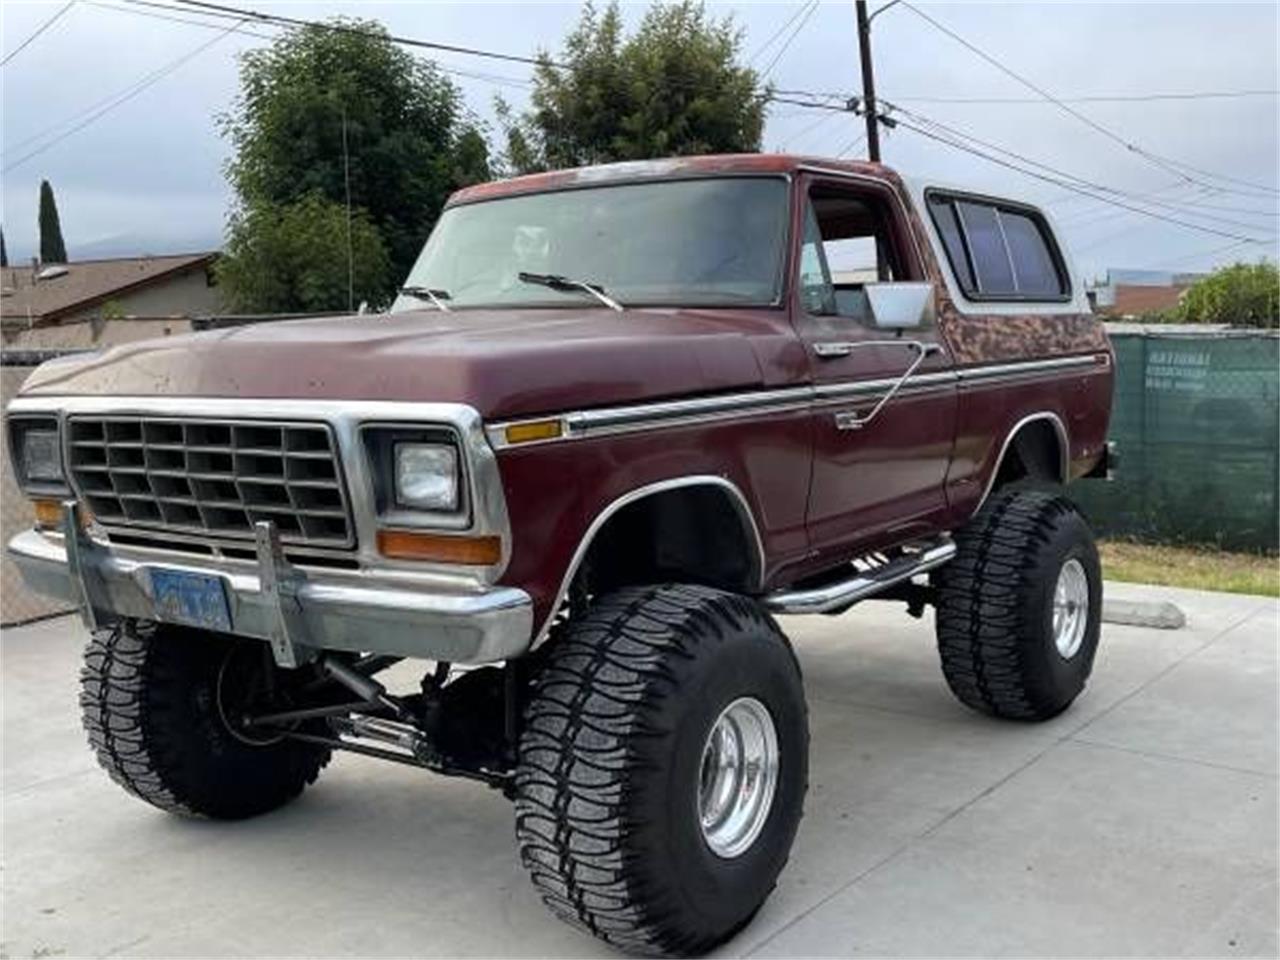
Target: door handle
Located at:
point(827, 351)
point(849, 419)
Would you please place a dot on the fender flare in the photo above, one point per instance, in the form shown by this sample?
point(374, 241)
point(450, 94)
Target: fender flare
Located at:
point(1064, 445)
point(723, 484)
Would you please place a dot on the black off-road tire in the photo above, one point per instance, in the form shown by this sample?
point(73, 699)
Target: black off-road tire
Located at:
point(149, 701)
point(607, 814)
point(995, 606)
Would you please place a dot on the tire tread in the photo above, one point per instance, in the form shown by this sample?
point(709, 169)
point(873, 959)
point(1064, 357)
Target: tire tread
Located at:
point(594, 699)
point(130, 684)
point(981, 602)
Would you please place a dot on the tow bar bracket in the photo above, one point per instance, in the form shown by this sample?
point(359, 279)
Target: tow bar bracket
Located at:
point(279, 584)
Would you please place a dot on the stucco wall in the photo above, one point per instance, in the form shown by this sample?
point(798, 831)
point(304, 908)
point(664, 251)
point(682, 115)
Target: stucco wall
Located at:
point(17, 603)
point(161, 308)
point(86, 334)
point(178, 294)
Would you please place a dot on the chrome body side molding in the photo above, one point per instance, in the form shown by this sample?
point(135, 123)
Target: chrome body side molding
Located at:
point(607, 421)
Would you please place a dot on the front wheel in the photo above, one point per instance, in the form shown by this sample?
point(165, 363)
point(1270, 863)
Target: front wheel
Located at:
point(160, 705)
point(1019, 608)
point(663, 767)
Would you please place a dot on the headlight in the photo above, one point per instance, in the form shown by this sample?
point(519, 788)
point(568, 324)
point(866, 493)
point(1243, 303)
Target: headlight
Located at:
point(36, 452)
point(40, 460)
point(427, 476)
point(419, 475)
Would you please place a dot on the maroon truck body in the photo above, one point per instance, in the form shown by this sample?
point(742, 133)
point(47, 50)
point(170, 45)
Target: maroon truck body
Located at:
point(818, 495)
point(599, 503)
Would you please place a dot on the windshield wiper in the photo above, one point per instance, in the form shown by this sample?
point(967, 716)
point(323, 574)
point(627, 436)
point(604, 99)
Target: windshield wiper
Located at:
point(557, 282)
point(437, 297)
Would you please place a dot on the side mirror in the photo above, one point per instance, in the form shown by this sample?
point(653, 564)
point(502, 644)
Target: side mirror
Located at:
point(895, 306)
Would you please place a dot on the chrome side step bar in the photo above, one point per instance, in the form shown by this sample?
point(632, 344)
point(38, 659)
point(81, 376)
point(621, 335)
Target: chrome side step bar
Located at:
point(863, 584)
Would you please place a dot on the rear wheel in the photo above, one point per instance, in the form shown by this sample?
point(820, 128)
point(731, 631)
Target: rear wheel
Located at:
point(161, 705)
point(1019, 608)
point(663, 766)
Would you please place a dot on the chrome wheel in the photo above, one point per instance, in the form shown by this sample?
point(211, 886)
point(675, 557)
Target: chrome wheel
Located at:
point(1070, 608)
point(738, 777)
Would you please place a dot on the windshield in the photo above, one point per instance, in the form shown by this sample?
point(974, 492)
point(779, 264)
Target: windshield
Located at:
point(701, 242)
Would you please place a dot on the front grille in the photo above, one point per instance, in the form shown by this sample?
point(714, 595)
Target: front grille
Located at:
point(214, 477)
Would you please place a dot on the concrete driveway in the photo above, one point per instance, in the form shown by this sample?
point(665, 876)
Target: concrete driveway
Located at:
point(1141, 822)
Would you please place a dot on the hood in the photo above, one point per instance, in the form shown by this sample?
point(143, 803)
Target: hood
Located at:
point(503, 362)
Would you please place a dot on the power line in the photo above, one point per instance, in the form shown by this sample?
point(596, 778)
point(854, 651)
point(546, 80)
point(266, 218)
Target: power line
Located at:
point(1070, 182)
point(809, 104)
point(816, 96)
point(1160, 161)
point(776, 34)
point(39, 30)
point(156, 75)
point(123, 97)
point(1197, 204)
point(809, 12)
point(800, 134)
point(240, 14)
point(495, 79)
point(205, 24)
point(1102, 98)
point(1178, 261)
point(1096, 98)
point(851, 146)
point(1067, 184)
point(1270, 191)
point(1077, 248)
point(218, 9)
point(1184, 207)
point(1087, 216)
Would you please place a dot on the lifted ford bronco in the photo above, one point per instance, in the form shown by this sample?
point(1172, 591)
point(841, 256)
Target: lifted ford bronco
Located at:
point(618, 418)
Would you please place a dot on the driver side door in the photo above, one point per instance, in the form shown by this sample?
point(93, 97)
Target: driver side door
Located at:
point(882, 443)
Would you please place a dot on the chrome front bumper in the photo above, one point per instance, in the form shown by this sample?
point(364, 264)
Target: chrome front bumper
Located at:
point(297, 612)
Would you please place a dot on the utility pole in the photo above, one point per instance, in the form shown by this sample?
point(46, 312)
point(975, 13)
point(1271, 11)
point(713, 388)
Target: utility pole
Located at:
point(868, 82)
point(346, 184)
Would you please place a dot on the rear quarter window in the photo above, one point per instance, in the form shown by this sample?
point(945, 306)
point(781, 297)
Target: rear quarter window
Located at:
point(981, 227)
point(1033, 263)
point(999, 251)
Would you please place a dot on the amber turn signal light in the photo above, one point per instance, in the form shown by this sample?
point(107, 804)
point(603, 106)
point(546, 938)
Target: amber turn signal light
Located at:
point(533, 430)
point(48, 513)
point(413, 545)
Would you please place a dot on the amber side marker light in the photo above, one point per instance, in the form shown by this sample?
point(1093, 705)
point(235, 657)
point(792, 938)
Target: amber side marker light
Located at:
point(412, 545)
point(533, 430)
point(48, 513)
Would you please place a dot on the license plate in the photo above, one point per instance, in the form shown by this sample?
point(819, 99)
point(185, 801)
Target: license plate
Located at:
point(195, 599)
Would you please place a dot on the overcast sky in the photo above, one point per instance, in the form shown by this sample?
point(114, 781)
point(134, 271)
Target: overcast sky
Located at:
point(147, 176)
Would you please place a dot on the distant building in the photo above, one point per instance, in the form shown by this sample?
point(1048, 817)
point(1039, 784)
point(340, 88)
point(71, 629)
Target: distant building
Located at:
point(1134, 293)
point(91, 303)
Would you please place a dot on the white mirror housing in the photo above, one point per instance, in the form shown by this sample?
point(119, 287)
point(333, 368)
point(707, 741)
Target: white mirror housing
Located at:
point(896, 306)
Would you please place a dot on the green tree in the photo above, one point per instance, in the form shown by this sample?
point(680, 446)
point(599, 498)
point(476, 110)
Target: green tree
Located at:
point(4, 251)
point(408, 145)
point(52, 249)
point(1244, 295)
point(673, 88)
point(293, 257)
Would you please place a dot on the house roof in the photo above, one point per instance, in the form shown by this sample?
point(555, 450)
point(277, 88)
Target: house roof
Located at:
point(85, 283)
point(1134, 301)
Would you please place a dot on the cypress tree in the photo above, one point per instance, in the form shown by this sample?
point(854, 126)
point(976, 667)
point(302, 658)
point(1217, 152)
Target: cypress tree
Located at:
point(4, 252)
point(52, 249)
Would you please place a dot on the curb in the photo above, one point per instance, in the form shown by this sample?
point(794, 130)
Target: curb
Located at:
point(1161, 614)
